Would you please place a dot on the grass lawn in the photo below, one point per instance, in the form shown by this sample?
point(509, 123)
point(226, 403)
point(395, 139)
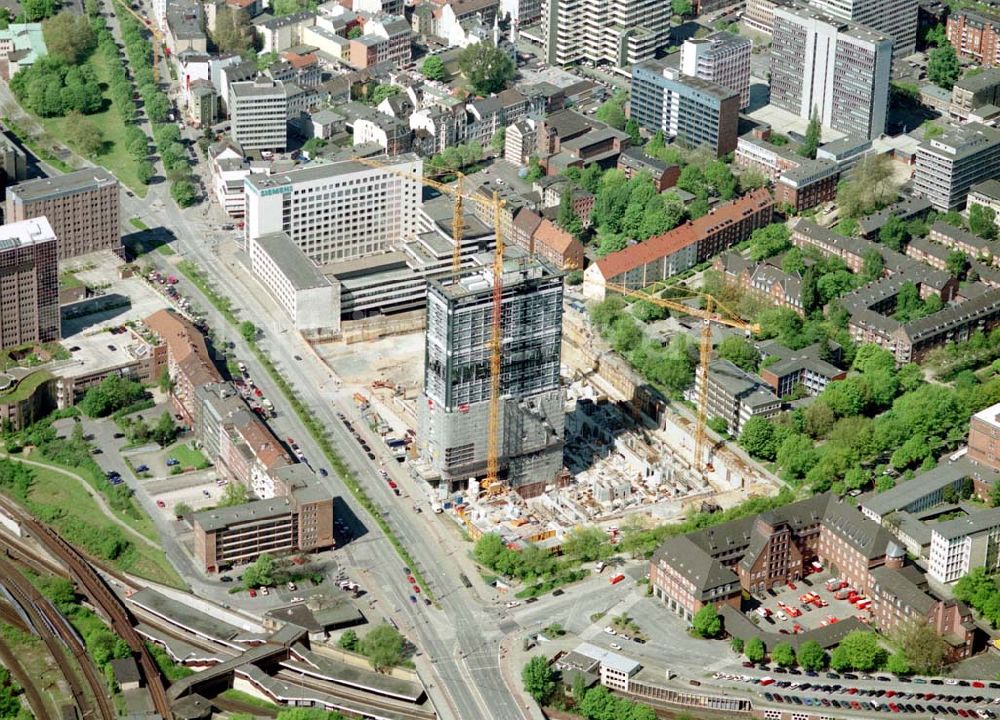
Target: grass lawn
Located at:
point(56, 490)
point(189, 457)
point(138, 224)
point(116, 158)
point(239, 695)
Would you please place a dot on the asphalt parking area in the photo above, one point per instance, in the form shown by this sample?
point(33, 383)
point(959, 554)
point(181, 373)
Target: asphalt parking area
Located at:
point(792, 612)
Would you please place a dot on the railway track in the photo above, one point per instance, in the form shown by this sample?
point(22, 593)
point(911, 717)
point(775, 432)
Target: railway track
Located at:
point(9, 660)
point(56, 631)
point(94, 586)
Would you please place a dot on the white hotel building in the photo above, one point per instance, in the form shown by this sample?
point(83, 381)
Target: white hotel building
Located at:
point(340, 211)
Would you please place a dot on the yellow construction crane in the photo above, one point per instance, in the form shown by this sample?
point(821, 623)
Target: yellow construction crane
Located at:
point(710, 314)
point(492, 205)
point(157, 36)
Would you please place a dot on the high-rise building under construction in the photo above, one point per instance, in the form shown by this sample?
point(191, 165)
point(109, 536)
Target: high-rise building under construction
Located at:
point(454, 410)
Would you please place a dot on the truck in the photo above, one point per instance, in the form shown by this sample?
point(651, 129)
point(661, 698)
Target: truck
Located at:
point(268, 406)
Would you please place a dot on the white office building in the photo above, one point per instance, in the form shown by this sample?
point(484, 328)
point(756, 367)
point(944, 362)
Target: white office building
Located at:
point(618, 32)
point(964, 544)
point(304, 293)
point(722, 58)
point(338, 211)
point(895, 18)
point(830, 66)
point(258, 110)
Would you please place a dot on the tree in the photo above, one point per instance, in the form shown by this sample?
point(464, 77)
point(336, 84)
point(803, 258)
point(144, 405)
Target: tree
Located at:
point(897, 664)
point(706, 622)
point(796, 456)
point(611, 112)
point(38, 10)
point(383, 646)
point(487, 68)
point(810, 142)
point(755, 650)
point(498, 140)
point(535, 169)
point(587, 544)
point(859, 650)
point(69, 36)
point(751, 179)
point(433, 68)
point(183, 192)
point(355, 32)
point(84, 135)
point(306, 714)
point(982, 221)
point(819, 419)
point(145, 172)
point(233, 32)
point(539, 679)
point(936, 36)
point(873, 265)
point(739, 352)
point(260, 573)
point(923, 648)
point(348, 641)
point(793, 262)
point(182, 509)
point(681, 7)
point(811, 655)
point(113, 393)
point(956, 263)
point(648, 312)
point(248, 331)
point(768, 241)
point(869, 186)
point(943, 67)
point(736, 645)
point(758, 438)
point(783, 654)
point(234, 494)
point(845, 397)
point(165, 431)
point(157, 105)
point(632, 128)
point(809, 292)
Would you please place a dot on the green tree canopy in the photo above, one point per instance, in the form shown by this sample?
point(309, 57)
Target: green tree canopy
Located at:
point(859, 650)
point(943, 67)
point(706, 622)
point(539, 679)
point(811, 655)
point(894, 233)
point(487, 68)
point(235, 493)
point(869, 187)
point(982, 221)
point(260, 573)
point(740, 352)
point(755, 650)
point(113, 393)
point(810, 142)
point(768, 241)
point(383, 646)
point(433, 68)
point(759, 438)
point(69, 37)
point(784, 655)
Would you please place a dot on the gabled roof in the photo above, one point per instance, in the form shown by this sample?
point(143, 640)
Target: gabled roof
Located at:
point(552, 236)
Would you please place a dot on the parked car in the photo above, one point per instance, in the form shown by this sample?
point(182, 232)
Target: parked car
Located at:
point(142, 468)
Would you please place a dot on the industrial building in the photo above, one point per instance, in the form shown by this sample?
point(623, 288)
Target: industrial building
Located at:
point(29, 283)
point(338, 211)
point(82, 207)
point(831, 67)
point(453, 412)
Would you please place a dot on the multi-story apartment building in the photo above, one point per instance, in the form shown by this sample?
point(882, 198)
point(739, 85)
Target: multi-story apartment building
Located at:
point(454, 410)
point(736, 396)
point(722, 58)
point(759, 15)
point(522, 12)
point(13, 164)
point(984, 437)
point(188, 359)
point(82, 208)
point(951, 163)
point(340, 211)
point(697, 112)
point(975, 35)
point(973, 91)
point(658, 258)
point(619, 32)
point(29, 283)
point(963, 544)
point(386, 40)
point(831, 67)
point(799, 182)
point(258, 111)
point(804, 368)
point(895, 18)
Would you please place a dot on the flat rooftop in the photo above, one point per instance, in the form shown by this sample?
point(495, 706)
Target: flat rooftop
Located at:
point(291, 261)
point(27, 232)
point(184, 615)
point(320, 171)
point(221, 518)
point(61, 185)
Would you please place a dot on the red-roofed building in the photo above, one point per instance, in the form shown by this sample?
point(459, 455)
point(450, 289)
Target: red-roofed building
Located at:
point(554, 244)
point(188, 359)
point(680, 249)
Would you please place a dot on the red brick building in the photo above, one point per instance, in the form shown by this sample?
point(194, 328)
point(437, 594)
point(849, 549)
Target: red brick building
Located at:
point(188, 359)
point(975, 35)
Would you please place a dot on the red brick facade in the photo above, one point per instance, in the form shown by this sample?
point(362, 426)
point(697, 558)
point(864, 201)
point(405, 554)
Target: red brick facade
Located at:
point(976, 36)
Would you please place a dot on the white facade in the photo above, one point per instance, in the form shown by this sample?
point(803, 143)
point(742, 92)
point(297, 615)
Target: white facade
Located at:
point(259, 114)
point(340, 211)
point(619, 32)
point(722, 58)
point(895, 18)
point(308, 298)
point(228, 173)
point(964, 544)
point(839, 70)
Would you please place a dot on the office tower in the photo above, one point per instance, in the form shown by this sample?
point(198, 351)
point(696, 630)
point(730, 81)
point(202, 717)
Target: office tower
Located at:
point(29, 283)
point(836, 68)
point(81, 207)
point(722, 58)
point(895, 18)
point(696, 111)
point(975, 35)
point(340, 211)
point(619, 32)
point(453, 414)
point(258, 111)
point(949, 164)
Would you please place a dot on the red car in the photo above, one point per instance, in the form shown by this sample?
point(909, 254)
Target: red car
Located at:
point(253, 593)
point(257, 392)
point(410, 579)
point(392, 484)
point(416, 588)
point(978, 684)
point(289, 441)
point(160, 504)
point(617, 579)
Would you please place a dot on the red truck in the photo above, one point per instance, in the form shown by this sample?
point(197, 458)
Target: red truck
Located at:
point(617, 579)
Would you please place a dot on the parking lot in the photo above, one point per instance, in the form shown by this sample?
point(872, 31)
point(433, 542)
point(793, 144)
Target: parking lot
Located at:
point(198, 491)
point(790, 614)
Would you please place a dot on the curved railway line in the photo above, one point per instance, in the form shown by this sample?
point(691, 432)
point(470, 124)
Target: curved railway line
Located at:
point(54, 629)
point(9, 660)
